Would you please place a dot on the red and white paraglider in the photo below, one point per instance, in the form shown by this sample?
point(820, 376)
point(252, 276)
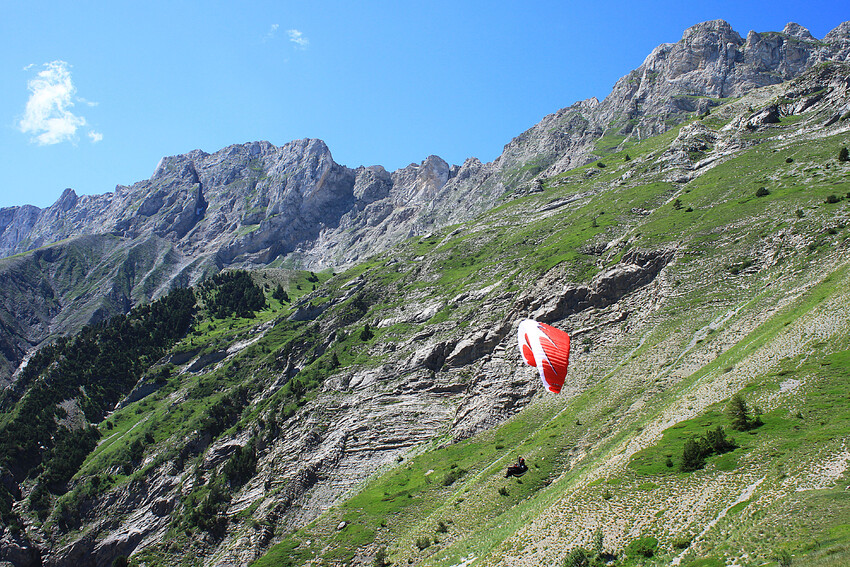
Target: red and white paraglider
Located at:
point(546, 348)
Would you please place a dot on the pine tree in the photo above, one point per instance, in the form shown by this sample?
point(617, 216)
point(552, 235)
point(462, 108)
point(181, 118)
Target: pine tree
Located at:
point(692, 456)
point(718, 442)
point(843, 155)
point(366, 333)
point(739, 413)
point(280, 294)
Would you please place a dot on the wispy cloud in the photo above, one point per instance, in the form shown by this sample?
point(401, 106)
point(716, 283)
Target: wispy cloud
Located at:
point(298, 39)
point(48, 115)
point(271, 33)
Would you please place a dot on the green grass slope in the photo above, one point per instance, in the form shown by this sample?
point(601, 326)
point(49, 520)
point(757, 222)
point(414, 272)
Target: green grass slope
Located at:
point(754, 303)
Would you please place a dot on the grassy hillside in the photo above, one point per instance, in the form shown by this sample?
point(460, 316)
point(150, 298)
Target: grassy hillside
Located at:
point(367, 417)
point(755, 303)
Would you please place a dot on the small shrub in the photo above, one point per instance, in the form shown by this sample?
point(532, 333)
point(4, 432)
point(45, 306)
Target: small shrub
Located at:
point(627, 158)
point(736, 269)
point(681, 542)
point(423, 542)
point(577, 557)
point(789, 160)
point(381, 558)
point(832, 199)
point(452, 476)
point(442, 527)
point(783, 558)
point(762, 192)
point(642, 547)
point(799, 213)
point(599, 164)
point(503, 491)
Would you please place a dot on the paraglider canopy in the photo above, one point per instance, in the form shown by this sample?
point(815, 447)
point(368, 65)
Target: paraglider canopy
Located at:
point(547, 349)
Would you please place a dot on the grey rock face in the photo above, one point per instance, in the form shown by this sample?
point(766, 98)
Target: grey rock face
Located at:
point(15, 226)
point(372, 184)
point(711, 62)
point(796, 30)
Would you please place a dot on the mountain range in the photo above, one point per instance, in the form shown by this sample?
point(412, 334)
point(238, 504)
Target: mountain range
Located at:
point(690, 230)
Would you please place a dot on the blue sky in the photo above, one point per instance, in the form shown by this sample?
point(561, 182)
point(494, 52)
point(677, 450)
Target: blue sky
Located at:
point(95, 93)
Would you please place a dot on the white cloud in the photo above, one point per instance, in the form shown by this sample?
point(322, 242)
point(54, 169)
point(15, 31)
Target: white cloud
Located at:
point(48, 115)
point(271, 33)
point(298, 38)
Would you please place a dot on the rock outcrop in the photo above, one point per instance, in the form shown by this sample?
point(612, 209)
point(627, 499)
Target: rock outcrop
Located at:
point(711, 62)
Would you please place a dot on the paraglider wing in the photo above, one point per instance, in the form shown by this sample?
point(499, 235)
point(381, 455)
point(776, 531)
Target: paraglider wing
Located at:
point(546, 348)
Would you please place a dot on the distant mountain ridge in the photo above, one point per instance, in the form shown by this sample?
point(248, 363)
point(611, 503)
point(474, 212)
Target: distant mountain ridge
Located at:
point(252, 203)
point(256, 204)
point(711, 62)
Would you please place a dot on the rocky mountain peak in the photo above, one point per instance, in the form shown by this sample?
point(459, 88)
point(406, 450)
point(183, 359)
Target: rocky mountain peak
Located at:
point(676, 80)
point(798, 31)
point(67, 201)
point(840, 35)
point(420, 183)
point(712, 31)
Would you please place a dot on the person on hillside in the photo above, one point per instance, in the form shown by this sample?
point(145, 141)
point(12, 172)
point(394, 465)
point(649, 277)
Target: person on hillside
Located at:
point(517, 469)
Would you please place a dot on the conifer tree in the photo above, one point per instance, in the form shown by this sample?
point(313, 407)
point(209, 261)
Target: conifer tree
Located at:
point(692, 456)
point(739, 413)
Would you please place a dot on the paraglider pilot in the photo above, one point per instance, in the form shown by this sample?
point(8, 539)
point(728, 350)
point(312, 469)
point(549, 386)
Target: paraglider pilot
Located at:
point(518, 469)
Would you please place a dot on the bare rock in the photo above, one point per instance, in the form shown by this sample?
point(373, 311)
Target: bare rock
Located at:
point(769, 115)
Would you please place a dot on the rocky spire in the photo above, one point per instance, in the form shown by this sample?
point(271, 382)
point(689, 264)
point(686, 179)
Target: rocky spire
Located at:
point(798, 31)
